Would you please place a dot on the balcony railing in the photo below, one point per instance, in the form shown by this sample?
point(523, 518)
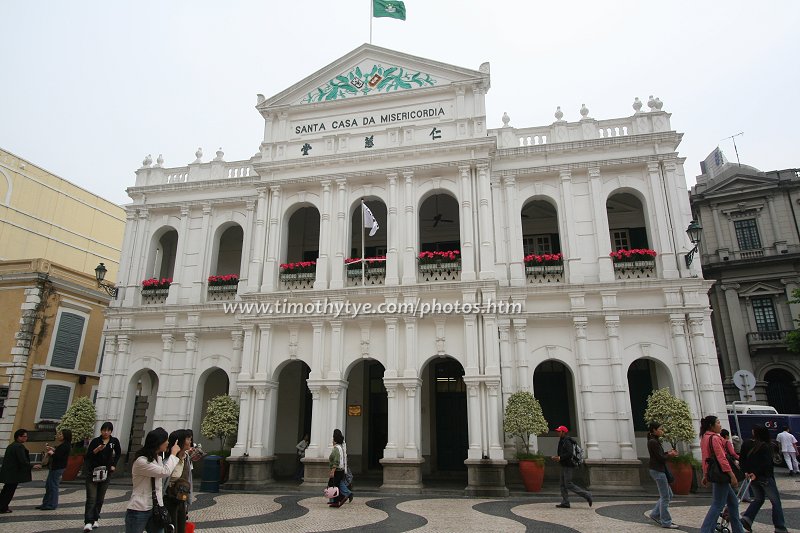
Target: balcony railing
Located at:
point(767, 339)
point(538, 274)
point(635, 269)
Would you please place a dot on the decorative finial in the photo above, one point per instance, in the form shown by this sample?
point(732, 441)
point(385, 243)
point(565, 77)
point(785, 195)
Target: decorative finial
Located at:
point(199, 155)
point(220, 153)
point(584, 111)
point(147, 161)
point(659, 104)
point(260, 99)
point(651, 103)
point(559, 115)
point(506, 119)
point(160, 161)
point(637, 105)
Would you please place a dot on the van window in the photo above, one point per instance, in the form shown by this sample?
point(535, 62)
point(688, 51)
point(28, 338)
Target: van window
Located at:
point(750, 409)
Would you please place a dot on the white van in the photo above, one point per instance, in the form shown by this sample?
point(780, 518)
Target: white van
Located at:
point(752, 409)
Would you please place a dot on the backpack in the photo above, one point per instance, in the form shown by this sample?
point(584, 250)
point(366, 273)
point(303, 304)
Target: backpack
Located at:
point(577, 454)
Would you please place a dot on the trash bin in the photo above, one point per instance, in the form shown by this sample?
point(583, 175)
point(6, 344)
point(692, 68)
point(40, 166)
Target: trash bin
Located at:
point(211, 472)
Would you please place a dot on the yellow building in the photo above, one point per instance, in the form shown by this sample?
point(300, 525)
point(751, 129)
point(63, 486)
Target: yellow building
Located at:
point(52, 236)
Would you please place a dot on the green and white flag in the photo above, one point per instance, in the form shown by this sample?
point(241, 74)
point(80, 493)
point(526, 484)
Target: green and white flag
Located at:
point(389, 8)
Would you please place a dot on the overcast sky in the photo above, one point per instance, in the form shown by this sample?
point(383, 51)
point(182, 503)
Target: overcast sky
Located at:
point(88, 88)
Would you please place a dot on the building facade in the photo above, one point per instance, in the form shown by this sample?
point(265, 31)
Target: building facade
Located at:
point(750, 248)
point(490, 272)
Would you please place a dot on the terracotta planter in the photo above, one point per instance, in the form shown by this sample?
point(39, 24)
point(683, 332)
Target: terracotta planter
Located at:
point(532, 475)
point(74, 464)
point(682, 472)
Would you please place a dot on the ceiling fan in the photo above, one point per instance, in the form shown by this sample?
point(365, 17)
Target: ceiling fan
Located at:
point(438, 217)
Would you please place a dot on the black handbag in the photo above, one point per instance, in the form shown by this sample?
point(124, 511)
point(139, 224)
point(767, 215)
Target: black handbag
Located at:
point(668, 473)
point(714, 473)
point(160, 513)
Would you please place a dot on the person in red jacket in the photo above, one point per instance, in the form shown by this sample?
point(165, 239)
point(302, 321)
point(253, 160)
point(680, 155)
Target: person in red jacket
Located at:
point(722, 493)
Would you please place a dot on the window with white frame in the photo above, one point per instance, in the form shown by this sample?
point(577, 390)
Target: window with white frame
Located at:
point(747, 234)
point(764, 311)
point(55, 401)
point(68, 340)
point(620, 239)
point(537, 244)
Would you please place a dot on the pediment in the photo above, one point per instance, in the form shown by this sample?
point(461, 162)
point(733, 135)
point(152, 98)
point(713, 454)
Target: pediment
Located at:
point(740, 181)
point(371, 70)
point(760, 289)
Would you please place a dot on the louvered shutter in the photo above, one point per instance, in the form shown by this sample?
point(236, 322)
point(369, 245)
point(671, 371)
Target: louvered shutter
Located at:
point(55, 402)
point(68, 340)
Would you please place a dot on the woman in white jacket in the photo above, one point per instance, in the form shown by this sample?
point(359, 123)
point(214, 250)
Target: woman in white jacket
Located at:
point(148, 465)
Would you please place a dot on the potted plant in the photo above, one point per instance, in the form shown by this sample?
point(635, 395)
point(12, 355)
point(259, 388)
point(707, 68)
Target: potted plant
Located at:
point(221, 422)
point(439, 260)
point(223, 283)
point(673, 413)
point(80, 418)
point(298, 270)
point(523, 418)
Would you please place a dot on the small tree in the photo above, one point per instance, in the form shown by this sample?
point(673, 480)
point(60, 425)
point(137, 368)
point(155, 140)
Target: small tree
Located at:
point(221, 420)
point(80, 418)
point(671, 412)
point(524, 418)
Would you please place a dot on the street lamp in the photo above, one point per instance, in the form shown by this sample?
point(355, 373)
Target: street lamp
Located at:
point(100, 274)
point(694, 231)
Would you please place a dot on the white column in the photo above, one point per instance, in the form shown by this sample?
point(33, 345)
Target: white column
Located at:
point(118, 388)
point(409, 363)
point(659, 222)
point(321, 281)
point(241, 446)
point(473, 419)
point(392, 343)
point(247, 246)
point(392, 419)
point(567, 233)
point(103, 396)
point(601, 229)
point(237, 341)
point(467, 228)
point(167, 383)
point(486, 252)
point(190, 363)
point(337, 395)
point(500, 228)
point(336, 356)
point(318, 349)
point(273, 241)
point(684, 378)
point(175, 291)
point(203, 266)
point(340, 231)
point(702, 364)
point(264, 363)
point(319, 441)
point(521, 349)
point(125, 276)
point(256, 267)
point(411, 237)
point(490, 348)
point(270, 421)
point(495, 409)
point(621, 401)
point(138, 261)
point(514, 223)
point(585, 373)
point(413, 418)
point(392, 234)
point(248, 353)
point(257, 449)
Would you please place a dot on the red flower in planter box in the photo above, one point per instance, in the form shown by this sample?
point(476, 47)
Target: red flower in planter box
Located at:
point(449, 256)
point(299, 267)
point(226, 279)
point(155, 283)
point(354, 262)
point(544, 259)
point(637, 254)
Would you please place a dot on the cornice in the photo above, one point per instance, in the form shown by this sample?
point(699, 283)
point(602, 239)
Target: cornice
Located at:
point(583, 165)
point(587, 144)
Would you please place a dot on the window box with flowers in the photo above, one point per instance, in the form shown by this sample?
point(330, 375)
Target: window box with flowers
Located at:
point(544, 268)
point(298, 275)
point(155, 290)
point(223, 287)
point(440, 266)
point(634, 264)
point(374, 272)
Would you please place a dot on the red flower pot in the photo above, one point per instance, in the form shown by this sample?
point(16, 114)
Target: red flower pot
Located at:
point(532, 475)
point(682, 472)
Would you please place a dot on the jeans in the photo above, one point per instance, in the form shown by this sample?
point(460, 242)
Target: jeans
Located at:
point(661, 511)
point(140, 521)
point(766, 488)
point(791, 461)
point(95, 496)
point(722, 494)
point(567, 484)
point(50, 500)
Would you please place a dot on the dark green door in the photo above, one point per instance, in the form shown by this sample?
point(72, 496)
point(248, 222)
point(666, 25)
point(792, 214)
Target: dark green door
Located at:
point(451, 416)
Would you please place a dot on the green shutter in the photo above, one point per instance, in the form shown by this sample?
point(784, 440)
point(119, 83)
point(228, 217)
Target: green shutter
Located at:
point(68, 341)
point(55, 402)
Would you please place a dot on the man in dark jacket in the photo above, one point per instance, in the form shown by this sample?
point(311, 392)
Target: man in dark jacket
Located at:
point(16, 468)
point(103, 451)
point(565, 459)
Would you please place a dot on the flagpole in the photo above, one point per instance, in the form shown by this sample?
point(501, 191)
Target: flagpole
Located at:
point(363, 238)
point(370, 24)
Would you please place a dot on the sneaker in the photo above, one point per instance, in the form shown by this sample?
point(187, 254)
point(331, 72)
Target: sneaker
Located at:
point(87, 527)
point(671, 526)
point(654, 519)
point(96, 524)
point(563, 506)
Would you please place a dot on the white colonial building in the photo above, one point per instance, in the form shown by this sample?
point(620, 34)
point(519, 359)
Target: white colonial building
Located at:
point(418, 396)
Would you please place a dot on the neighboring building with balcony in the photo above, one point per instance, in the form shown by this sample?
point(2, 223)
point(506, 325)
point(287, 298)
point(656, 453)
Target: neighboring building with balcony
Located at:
point(515, 226)
point(751, 248)
point(52, 236)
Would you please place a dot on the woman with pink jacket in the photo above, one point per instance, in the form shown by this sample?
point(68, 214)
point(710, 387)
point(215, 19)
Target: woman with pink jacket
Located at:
point(722, 493)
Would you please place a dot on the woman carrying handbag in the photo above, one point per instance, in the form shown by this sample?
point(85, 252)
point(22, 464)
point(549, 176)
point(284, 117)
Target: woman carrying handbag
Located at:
point(145, 508)
point(178, 494)
point(718, 470)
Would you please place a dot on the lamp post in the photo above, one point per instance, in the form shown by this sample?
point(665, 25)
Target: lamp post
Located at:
point(100, 275)
point(694, 231)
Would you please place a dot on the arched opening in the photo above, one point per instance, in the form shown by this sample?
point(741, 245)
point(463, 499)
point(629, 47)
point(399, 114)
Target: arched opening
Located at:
point(626, 222)
point(140, 405)
point(439, 227)
point(293, 419)
point(229, 252)
point(447, 422)
point(553, 387)
point(540, 233)
point(366, 426)
point(214, 382)
point(302, 242)
point(645, 376)
point(166, 250)
point(371, 247)
point(782, 391)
